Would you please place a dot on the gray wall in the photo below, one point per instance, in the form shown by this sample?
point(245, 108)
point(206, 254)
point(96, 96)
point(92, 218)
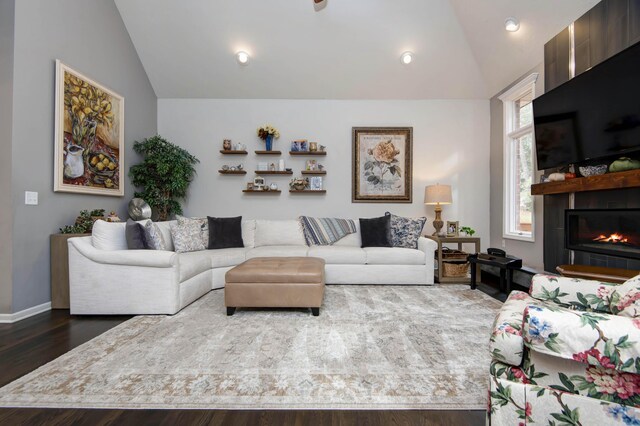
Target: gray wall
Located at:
point(90, 37)
point(7, 8)
point(530, 252)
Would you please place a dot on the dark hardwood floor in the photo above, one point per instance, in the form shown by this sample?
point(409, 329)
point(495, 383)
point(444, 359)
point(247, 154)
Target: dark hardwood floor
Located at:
point(31, 343)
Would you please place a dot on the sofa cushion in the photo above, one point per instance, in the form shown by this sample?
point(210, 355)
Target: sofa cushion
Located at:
point(109, 235)
point(278, 251)
point(376, 232)
point(222, 258)
point(204, 227)
point(394, 256)
point(225, 232)
point(193, 263)
point(279, 233)
point(339, 255)
point(249, 233)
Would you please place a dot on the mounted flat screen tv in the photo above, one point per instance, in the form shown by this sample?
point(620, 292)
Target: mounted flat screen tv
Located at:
point(595, 115)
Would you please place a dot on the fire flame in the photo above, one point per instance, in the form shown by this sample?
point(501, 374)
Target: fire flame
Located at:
point(613, 238)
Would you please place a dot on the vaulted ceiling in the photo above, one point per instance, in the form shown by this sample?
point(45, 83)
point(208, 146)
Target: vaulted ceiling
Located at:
point(349, 50)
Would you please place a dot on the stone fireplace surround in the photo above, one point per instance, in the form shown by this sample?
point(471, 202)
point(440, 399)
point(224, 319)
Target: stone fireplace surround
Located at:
point(555, 205)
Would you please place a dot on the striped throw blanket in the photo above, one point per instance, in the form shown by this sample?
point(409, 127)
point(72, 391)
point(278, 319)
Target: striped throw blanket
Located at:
point(324, 231)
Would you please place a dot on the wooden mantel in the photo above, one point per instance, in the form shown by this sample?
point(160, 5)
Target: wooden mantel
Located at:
point(630, 179)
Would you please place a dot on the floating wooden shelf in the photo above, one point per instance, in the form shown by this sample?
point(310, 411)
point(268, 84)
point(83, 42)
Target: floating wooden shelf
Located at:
point(630, 179)
point(314, 172)
point(308, 191)
point(271, 191)
point(233, 152)
point(273, 172)
point(232, 172)
point(308, 152)
point(268, 152)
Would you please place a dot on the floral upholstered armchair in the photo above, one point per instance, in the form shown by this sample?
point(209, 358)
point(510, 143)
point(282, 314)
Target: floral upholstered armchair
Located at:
point(568, 353)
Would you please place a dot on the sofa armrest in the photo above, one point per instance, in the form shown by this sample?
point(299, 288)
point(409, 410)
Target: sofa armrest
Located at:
point(149, 258)
point(581, 293)
point(593, 338)
point(427, 245)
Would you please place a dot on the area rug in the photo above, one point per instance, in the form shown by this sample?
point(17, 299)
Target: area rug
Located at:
point(372, 347)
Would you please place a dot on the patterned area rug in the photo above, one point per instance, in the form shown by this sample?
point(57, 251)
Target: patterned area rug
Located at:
point(372, 347)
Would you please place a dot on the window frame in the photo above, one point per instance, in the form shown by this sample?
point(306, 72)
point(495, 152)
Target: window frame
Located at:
point(510, 135)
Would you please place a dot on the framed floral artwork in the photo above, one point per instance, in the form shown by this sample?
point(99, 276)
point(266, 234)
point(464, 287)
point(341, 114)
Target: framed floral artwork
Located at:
point(382, 158)
point(89, 136)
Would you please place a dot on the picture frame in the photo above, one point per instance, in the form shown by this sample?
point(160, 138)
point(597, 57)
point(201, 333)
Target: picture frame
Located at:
point(382, 160)
point(453, 229)
point(89, 154)
point(315, 183)
point(258, 183)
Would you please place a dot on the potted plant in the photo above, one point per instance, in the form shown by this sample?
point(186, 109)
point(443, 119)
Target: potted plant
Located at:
point(468, 231)
point(164, 175)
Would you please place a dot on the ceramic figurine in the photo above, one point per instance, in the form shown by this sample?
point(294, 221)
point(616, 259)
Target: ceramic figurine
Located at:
point(273, 186)
point(556, 177)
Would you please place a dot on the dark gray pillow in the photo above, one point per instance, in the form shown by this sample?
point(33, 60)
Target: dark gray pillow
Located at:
point(136, 239)
point(225, 232)
point(376, 232)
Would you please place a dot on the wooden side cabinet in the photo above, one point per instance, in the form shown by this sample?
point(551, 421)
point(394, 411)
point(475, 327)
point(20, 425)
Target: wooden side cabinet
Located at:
point(60, 269)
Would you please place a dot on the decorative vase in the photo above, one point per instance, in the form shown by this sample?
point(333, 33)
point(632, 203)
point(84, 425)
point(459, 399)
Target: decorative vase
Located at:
point(269, 142)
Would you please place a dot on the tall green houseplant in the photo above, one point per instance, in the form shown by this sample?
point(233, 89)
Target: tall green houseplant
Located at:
point(164, 174)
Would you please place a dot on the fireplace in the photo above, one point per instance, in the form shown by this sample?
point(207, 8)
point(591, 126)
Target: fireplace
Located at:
point(613, 232)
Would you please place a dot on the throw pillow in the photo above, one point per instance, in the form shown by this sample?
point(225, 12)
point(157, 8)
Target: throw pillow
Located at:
point(204, 227)
point(134, 233)
point(376, 232)
point(153, 235)
point(405, 231)
point(225, 232)
point(625, 299)
point(187, 236)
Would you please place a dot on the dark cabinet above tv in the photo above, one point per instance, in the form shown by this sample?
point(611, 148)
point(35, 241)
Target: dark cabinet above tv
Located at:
point(605, 30)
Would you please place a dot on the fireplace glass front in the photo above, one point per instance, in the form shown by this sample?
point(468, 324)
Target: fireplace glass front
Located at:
point(614, 232)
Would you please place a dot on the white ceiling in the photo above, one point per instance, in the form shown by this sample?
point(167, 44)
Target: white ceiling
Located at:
point(349, 50)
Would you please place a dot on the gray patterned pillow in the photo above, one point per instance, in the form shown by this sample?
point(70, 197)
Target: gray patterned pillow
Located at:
point(204, 227)
point(405, 231)
point(154, 237)
point(186, 235)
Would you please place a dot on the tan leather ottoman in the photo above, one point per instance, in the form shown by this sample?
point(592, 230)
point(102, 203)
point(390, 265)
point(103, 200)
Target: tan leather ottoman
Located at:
point(275, 282)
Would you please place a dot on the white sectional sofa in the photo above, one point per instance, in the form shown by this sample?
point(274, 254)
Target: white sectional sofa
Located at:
point(106, 278)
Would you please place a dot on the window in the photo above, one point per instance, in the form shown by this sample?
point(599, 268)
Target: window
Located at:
point(518, 160)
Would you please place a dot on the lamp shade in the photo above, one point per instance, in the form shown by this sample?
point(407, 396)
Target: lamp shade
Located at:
point(437, 194)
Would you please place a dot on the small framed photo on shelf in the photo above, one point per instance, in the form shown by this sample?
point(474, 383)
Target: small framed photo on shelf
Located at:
point(249, 186)
point(300, 146)
point(453, 229)
point(258, 183)
point(311, 165)
point(315, 183)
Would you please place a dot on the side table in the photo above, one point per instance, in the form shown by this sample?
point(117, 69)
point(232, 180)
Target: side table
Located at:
point(453, 240)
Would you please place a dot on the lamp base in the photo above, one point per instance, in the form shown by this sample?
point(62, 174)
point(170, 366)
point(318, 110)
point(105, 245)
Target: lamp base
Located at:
point(437, 222)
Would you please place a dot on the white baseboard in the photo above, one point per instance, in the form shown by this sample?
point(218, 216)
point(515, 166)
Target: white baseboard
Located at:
point(26, 313)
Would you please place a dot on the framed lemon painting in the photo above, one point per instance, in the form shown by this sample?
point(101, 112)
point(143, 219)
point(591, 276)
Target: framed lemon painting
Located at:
point(382, 165)
point(89, 136)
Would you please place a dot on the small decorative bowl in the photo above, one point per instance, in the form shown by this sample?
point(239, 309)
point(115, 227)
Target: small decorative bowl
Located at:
point(593, 170)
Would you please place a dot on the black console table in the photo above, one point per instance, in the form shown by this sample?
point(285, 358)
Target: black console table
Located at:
point(507, 265)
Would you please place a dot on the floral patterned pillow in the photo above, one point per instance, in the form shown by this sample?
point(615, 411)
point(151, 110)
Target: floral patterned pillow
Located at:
point(204, 227)
point(625, 299)
point(187, 236)
point(405, 231)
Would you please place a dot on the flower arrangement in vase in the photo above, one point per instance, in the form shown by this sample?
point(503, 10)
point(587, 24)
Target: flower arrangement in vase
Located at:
point(299, 183)
point(267, 133)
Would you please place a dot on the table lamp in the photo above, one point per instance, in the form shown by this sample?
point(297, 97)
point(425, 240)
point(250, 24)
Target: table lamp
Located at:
point(436, 195)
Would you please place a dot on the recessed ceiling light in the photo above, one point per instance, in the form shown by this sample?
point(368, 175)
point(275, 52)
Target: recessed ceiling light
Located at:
point(242, 58)
point(512, 25)
point(406, 58)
